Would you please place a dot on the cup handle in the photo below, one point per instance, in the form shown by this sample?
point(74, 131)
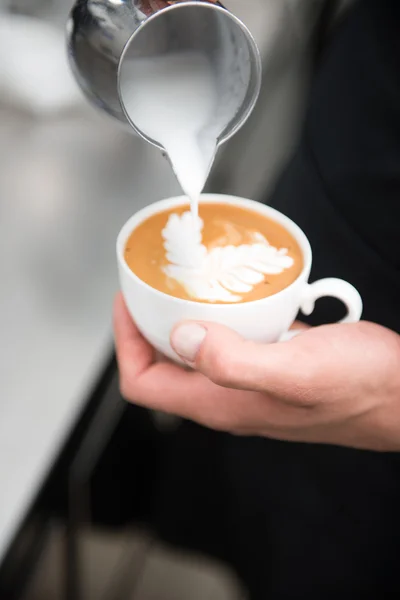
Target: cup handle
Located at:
point(335, 288)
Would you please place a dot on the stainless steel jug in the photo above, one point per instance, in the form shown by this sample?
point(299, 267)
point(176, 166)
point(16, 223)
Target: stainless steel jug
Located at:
point(104, 33)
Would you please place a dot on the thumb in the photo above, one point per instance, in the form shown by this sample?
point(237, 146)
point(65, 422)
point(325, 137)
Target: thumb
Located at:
point(231, 361)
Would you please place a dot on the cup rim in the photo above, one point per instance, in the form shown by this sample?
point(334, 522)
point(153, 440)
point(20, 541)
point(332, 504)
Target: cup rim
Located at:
point(167, 204)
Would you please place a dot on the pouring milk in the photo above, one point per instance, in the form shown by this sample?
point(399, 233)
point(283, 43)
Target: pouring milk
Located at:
point(172, 99)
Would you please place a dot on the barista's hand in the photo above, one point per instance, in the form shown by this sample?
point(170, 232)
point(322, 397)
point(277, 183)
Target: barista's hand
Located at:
point(337, 384)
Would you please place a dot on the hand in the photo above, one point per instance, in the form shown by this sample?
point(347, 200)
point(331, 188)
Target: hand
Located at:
point(336, 384)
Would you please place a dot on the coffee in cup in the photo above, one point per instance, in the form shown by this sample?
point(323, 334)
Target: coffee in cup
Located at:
point(241, 255)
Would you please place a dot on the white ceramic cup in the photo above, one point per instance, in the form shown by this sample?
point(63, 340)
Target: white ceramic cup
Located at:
point(267, 320)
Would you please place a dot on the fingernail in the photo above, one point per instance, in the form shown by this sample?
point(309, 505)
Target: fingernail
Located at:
point(187, 340)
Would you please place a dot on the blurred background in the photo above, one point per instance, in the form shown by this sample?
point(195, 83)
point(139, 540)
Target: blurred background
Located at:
point(69, 179)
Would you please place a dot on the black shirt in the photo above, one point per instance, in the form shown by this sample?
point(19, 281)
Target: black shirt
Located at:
point(343, 185)
point(312, 522)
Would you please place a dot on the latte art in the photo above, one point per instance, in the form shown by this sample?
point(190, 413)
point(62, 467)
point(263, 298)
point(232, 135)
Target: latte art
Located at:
point(220, 274)
point(226, 255)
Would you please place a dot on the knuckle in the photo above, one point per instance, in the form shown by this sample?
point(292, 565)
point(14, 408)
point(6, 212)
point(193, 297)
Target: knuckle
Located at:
point(306, 387)
point(220, 369)
point(301, 390)
point(305, 397)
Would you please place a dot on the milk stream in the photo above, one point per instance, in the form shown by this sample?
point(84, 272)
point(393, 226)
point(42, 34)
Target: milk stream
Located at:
point(172, 99)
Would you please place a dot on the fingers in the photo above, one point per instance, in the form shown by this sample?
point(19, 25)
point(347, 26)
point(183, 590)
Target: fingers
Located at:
point(171, 389)
point(161, 385)
point(231, 361)
point(226, 360)
point(142, 380)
